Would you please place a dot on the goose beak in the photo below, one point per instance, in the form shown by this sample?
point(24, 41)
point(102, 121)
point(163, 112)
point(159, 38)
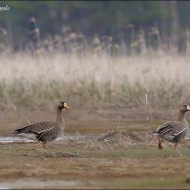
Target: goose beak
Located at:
point(66, 106)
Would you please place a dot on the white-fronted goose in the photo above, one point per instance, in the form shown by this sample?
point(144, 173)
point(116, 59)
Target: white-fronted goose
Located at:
point(45, 131)
point(174, 131)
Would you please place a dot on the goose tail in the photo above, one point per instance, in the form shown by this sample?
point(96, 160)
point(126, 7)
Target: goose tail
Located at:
point(16, 131)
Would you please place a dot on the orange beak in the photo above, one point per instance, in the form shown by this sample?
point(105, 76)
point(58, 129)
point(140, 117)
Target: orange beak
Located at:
point(66, 106)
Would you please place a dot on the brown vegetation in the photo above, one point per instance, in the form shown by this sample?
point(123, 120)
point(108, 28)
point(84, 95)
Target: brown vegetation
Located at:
point(120, 153)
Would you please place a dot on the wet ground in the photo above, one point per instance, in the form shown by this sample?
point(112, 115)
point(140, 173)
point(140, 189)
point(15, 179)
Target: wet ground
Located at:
point(87, 158)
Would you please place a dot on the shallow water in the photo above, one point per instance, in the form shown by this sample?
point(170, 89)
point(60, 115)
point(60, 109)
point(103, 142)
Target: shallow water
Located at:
point(33, 184)
point(25, 140)
point(14, 139)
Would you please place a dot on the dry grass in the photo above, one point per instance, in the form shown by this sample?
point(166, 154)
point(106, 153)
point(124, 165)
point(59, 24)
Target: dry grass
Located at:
point(96, 78)
point(97, 71)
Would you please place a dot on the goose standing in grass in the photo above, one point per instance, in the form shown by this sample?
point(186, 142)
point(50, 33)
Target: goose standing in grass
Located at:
point(174, 131)
point(45, 131)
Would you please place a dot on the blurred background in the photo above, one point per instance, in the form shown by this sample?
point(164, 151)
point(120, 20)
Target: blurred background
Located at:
point(103, 52)
point(160, 23)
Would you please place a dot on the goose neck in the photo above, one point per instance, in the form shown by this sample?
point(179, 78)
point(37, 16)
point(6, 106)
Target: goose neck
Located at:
point(182, 118)
point(59, 118)
point(187, 136)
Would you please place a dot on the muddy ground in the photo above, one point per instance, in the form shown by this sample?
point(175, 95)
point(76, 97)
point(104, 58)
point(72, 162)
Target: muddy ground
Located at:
point(125, 158)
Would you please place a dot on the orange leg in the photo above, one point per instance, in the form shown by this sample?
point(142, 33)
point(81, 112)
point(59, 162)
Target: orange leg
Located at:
point(44, 145)
point(175, 145)
point(159, 144)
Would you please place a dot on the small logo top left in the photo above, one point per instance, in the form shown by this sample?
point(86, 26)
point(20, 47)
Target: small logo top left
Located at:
point(4, 8)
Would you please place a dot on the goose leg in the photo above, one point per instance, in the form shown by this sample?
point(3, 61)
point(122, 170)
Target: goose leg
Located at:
point(44, 145)
point(175, 145)
point(159, 144)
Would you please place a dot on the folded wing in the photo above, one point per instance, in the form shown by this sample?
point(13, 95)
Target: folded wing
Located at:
point(37, 128)
point(172, 128)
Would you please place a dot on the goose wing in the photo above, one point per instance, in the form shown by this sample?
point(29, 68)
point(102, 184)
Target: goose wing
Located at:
point(37, 128)
point(172, 128)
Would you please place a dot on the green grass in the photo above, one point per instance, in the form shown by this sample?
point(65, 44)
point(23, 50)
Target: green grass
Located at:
point(146, 183)
point(144, 153)
point(104, 150)
point(97, 165)
point(26, 93)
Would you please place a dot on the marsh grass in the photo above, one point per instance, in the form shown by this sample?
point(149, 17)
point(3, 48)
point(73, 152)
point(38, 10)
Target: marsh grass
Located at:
point(123, 159)
point(25, 93)
point(144, 183)
point(104, 79)
point(114, 144)
point(95, 71)
point(120, 143)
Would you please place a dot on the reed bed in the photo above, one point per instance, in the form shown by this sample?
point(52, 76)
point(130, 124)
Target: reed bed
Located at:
point(95, 78)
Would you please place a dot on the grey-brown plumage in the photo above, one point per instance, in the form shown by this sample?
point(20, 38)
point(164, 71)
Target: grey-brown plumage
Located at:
point(174, 131)
point(45, 131)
